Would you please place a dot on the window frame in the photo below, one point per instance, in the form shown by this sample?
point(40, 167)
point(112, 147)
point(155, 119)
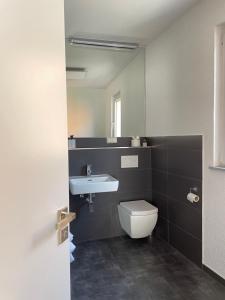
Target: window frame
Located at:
point(116, 124)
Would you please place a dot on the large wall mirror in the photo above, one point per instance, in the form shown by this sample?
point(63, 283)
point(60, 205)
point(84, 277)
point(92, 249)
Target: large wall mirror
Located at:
point(105, 88)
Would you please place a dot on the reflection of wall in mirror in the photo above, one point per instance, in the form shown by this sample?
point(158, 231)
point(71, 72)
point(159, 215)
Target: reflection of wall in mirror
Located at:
point(86, 111)
point(131, 84)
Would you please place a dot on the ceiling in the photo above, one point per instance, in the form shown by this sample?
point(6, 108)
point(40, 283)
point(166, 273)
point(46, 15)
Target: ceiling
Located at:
point(131, 19)
point(101, 65)
point(121, 20)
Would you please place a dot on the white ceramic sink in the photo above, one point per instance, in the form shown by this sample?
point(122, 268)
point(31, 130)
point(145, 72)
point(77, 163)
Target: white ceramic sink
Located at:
point(93, 184)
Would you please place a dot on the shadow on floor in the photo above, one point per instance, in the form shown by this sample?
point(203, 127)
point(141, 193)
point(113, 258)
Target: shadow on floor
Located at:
point(146, 269)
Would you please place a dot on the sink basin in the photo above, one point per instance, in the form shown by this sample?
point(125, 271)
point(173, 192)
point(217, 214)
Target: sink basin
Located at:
point(93, 184)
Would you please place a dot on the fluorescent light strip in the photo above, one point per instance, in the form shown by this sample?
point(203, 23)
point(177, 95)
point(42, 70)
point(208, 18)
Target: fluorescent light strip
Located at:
point(103, 44)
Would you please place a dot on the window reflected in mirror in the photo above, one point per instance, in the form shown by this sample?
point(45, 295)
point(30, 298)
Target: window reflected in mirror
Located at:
point(116, 115)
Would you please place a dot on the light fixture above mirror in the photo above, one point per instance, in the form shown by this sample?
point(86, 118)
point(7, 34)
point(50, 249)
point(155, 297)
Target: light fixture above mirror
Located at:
point(106, 44)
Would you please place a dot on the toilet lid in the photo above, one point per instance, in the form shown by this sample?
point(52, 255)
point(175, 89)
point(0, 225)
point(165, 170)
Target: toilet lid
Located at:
point(139, 208)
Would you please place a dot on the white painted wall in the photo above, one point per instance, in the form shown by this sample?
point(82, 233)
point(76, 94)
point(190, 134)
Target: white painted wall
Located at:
point(219, 96)
point(33, 151)
point(131, 85)
point(180, 92)
point(86, 111)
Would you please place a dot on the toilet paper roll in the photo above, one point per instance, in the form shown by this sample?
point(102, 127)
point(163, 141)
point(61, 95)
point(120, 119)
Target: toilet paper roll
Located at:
point(71, 258)
point(70, 236)
point(72, 247)
point(193, 198)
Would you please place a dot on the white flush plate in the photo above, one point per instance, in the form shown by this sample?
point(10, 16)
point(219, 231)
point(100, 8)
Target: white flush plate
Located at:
point(129, 161)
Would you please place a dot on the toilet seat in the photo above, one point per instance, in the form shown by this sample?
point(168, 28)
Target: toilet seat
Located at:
point(139, 208)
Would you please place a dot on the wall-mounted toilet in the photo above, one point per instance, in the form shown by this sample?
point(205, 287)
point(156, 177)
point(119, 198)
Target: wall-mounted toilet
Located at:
point(137, 218)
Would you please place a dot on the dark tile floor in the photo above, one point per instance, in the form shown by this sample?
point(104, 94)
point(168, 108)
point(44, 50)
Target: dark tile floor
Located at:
point(122, 268)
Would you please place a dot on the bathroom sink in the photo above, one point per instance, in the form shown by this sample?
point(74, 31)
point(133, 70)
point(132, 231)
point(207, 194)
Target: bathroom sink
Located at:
point(93, 184)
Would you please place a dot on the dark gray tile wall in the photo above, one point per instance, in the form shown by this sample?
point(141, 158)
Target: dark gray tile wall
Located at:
point(177, 167)
point(164, 177)
point(134, 184)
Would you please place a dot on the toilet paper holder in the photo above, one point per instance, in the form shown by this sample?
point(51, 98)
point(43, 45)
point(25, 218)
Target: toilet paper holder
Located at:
point(192, 196)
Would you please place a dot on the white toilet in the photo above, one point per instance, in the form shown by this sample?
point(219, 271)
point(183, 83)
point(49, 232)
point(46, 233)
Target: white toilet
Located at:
point(137, 218)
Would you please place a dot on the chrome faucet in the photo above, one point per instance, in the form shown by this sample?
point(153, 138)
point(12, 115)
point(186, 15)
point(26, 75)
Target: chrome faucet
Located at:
point(89, 170)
